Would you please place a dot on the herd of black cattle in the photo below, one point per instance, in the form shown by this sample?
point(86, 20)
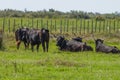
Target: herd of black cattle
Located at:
point(42, 36)
point(33, 37)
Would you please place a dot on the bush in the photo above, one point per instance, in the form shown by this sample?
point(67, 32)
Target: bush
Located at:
point(99, 18)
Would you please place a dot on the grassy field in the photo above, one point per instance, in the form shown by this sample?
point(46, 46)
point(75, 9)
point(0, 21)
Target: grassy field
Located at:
point(58, 65)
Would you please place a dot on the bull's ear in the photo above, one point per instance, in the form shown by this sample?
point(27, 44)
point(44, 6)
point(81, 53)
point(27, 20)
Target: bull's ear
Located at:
point(27, 28)
point(47, 30)
point(20, 29)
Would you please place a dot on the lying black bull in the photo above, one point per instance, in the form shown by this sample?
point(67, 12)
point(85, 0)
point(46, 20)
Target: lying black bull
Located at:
point(86, 47)
point(21, 35)
point(100, 47)
point(37, 36)
point(71, 45)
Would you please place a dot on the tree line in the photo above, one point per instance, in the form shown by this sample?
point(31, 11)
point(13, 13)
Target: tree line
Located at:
point(52, 13)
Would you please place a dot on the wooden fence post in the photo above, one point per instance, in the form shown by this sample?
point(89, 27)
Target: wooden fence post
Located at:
point(1, 39)
point(41, 21)
point(21, 22)
point(110, 26)
point(84, 25)
point(9, 25)
point(64, 22)
point(37, 23)
point(55, 26)
point(67, 25)
point(28, 22)
point(32, 23)
point(47, 24)
point(99, 26)
point(103, 25)
point(76, 25)
point(61, 26)
point(117, 25)
point(107, 26)
point(3, 24)
point(114, 25)
point(14, 25)
point(51, 25)
point(92, 26)
point(88, 26)
point(80, 26)
point(95, 25)
point(72, 27)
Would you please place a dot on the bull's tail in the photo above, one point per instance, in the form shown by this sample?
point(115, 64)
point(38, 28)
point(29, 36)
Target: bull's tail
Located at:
point(16, 35)
point(45, 34)
point(16, 38)
point(18, 42)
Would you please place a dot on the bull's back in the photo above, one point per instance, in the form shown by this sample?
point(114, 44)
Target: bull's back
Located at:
point(34, 36)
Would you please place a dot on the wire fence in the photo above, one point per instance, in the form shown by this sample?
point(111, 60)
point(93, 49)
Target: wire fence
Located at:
point(80, 26)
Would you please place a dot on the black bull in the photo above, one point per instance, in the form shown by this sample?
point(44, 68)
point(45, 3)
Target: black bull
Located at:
point(100, 47)
point(33, 36)
point(37, 36)
point(72, 45)
point(21, 35)
point(86, 47)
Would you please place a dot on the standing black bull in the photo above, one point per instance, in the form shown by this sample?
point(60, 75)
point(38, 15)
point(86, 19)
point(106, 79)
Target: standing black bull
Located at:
point(37, 36)
point(100, 47)
point(21, 34)
point(71, 45)
point(45, 39)
point(34, 38)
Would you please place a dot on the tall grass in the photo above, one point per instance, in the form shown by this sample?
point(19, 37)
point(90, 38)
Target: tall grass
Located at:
point(2, 46)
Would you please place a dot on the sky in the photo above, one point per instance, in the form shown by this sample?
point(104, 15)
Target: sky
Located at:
point(101, 6)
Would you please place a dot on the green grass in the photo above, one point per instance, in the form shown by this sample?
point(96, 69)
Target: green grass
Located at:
point(58, 65)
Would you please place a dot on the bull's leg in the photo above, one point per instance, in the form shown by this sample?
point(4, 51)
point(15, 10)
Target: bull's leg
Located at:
point(47, 46)
point(25, 45)
point(18, 44)
point(32, 47)
point(37, 47)
point(28, 45)
point(82, 48)
point(43, 45)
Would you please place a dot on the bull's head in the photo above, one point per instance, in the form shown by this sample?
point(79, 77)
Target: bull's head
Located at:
point(99, 41)
point(60, 39)
point(24, 35)
point(88, 48)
